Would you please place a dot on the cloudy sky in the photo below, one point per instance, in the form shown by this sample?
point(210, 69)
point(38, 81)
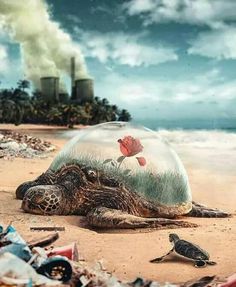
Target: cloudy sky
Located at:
point(161, 59)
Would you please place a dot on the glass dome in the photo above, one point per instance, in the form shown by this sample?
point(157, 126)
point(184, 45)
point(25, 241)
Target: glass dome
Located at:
point(135, 155)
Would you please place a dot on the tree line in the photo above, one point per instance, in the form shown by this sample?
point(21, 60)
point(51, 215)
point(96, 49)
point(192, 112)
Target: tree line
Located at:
point(18, 105)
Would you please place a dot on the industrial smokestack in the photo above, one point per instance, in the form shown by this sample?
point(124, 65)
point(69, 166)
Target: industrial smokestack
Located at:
point(72, 64)
point(45, 47)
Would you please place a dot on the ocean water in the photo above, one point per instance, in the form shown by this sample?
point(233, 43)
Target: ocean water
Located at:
point(189, 124)
point(201, 143)
point(216, 136)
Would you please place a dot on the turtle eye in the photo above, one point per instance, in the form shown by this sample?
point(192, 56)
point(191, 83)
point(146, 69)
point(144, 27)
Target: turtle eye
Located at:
point(92, 174)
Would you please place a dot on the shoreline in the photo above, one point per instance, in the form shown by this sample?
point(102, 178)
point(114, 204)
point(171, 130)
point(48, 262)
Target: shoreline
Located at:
point(34, 127)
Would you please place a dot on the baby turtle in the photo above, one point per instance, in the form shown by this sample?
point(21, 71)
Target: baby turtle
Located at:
point(187, 250)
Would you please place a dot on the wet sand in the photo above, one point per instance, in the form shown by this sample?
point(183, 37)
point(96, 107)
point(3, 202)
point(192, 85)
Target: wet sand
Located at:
point(127, 253)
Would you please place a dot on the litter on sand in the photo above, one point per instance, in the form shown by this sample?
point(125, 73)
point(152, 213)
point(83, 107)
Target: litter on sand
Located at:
point(13, 144)
point(36, 263)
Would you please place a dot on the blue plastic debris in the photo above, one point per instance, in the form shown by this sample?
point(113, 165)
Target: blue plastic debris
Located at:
point(57, 267)
point(17, 244)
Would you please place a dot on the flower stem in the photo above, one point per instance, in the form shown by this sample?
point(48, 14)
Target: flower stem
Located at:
point(121, 163)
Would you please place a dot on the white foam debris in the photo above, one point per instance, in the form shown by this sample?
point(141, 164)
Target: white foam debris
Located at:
point(15, 271)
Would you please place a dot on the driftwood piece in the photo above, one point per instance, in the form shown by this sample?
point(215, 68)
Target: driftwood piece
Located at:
point(47, 228)
point(43, 241)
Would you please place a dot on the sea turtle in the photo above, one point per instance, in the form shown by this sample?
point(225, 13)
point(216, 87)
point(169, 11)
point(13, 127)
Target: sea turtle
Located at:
point(187, 250)
point(122, 193)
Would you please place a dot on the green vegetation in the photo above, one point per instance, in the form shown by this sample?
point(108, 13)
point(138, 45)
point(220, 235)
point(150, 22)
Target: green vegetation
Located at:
point(168, 187)
point(18, 106)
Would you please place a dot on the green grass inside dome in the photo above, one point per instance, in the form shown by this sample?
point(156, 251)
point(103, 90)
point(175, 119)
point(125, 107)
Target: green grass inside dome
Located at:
point(167, 187)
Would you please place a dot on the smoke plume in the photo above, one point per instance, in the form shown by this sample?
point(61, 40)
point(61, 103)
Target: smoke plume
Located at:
point(46, 49)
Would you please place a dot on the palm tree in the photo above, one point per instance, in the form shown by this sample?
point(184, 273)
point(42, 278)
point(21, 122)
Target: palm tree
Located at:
point(7, 106)
point(96, 111)
point(23, 85)
point(105, 102)
point(23, 105)
point(114, 112)
point(17, 106)
point(67, 114)
point(124, 116)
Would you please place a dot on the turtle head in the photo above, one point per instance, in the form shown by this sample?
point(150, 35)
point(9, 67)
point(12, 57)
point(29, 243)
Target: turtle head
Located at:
point(173, 237)
point(43, 199)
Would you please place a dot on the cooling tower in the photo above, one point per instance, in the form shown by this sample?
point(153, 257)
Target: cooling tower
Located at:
point(83, 90)
point(50, 89)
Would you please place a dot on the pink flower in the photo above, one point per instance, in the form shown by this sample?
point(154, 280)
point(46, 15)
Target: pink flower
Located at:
point(130, 146)
point(141, 160)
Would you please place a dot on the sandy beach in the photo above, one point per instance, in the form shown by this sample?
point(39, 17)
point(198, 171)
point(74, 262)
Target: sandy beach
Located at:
point(210, 161)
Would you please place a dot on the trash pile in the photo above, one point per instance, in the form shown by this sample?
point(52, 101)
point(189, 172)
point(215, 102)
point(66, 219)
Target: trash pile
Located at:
point(38, 263)
point(13, 144)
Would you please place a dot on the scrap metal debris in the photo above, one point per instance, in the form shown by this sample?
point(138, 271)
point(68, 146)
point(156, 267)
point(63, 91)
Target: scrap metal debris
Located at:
point(13, 144)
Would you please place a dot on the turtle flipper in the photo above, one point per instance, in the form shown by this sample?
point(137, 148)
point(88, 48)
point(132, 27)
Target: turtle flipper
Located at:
point(159, 259)
point(200, 263)
point(45, 178)
point(211, 262)
point(199, 210)
point(21, 189)
point(103, 217)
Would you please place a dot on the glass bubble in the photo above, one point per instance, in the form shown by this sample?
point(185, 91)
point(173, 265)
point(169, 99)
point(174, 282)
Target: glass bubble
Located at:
point(135, 156)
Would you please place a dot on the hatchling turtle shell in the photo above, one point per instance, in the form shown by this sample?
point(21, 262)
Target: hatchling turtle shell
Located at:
point(187, 250)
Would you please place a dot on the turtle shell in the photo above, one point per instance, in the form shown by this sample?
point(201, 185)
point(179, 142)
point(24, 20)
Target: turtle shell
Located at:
point(136, 156)
point(191, 251)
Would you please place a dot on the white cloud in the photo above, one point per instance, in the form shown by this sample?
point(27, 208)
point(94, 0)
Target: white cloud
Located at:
point(205, 95)
point(3, 34)
point(4, 62)
point(74, 19)
point(139, 6)
point(182, 11)
point(218, 43)
point(124, 49)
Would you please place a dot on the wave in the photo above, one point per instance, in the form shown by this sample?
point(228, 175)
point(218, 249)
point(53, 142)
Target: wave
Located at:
point(214, 139)
point(210, 139)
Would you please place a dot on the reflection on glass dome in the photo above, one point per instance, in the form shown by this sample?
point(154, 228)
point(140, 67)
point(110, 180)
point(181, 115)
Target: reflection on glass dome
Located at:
point(135, 156)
